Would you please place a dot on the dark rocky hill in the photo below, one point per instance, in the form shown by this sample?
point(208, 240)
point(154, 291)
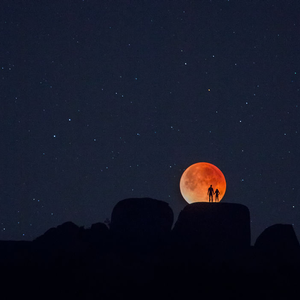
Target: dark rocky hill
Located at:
point(207, 255)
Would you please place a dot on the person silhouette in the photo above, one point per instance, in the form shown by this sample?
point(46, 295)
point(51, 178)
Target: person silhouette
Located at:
point(217, 192)
point(210, 193)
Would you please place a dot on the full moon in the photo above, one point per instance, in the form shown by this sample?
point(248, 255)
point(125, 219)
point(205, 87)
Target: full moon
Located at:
point(196, 181)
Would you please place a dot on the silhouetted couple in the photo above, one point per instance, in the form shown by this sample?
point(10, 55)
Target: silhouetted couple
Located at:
point(210, 194)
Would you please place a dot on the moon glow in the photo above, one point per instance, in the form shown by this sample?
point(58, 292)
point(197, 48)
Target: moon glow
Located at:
point(196, 180)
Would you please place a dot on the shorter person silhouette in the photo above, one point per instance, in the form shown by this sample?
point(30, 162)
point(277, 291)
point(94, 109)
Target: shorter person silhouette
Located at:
point(210, 193)
point(217, 195)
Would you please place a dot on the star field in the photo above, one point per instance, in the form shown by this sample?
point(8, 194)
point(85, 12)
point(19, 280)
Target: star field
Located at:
point(104, 101)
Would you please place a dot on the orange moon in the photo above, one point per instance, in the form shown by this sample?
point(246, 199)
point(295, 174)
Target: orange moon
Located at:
point(196, 180)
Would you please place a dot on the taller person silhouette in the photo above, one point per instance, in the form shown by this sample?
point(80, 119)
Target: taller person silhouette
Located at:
point(210, 193)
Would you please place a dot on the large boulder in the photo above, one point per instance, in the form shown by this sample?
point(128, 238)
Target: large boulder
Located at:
point(277, 249)
point(278, 238)
point(141, 220)
point(66, 237)
point(213, 228)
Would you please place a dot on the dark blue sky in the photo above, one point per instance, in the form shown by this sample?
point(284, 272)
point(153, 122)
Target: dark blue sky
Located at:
point(104, 100)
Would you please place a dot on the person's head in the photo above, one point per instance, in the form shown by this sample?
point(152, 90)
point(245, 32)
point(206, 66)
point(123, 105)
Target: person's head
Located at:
point(210, 185)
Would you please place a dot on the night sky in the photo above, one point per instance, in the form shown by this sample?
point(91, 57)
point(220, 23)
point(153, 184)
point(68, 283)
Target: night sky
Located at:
point(105, 100)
